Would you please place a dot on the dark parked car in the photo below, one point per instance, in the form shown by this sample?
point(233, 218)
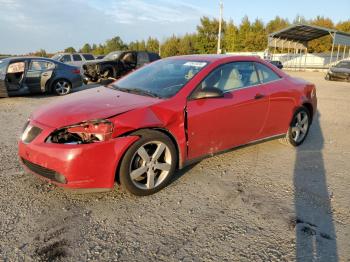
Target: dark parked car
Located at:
point(116, 64)
point(276, 63)
point(340, 71)
point(25, 75)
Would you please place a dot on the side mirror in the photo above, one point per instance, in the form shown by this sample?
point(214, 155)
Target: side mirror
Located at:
point(209, 92)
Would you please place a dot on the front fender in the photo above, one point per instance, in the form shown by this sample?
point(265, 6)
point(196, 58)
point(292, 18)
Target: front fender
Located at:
point(155, 117)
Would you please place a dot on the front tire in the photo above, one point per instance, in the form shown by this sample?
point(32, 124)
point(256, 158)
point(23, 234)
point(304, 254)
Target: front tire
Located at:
point(328, 77)
point(299, 128)
point(148, 164)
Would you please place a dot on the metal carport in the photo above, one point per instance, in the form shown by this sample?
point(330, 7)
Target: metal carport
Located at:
point(297, 37)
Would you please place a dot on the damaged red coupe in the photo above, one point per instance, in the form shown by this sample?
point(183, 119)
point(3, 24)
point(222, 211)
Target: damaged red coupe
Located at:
point(140, 129)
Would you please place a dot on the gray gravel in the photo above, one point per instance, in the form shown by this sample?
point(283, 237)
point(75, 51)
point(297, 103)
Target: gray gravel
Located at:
point(265, 202)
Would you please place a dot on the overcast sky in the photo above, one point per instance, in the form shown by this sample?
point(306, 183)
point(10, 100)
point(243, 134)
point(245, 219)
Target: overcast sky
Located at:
point(28, 25)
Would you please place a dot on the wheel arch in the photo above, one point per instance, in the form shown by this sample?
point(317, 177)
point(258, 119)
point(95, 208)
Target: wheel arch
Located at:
point(310, 108)
point(159, 129)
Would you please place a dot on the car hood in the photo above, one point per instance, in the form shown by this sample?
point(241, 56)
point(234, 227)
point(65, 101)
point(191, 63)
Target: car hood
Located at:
point(96, 103)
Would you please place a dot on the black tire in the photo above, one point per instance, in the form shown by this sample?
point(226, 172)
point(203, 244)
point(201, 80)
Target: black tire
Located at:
point(133, 161)
point(65, 89)
point(290, 138)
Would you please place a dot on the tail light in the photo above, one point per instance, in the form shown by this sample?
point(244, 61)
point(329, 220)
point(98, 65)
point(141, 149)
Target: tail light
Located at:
point(76, 71)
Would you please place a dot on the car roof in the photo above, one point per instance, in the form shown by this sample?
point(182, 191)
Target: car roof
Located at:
point(73, 54)
point(21, 58)
point(15, 58)
point(215, 58)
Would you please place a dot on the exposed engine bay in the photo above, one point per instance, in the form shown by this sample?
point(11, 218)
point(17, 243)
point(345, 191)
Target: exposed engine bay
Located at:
point(83, 133)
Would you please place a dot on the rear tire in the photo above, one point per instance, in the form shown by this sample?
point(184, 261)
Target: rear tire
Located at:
point(148, 164)
point(299, 128)
point(61, 87)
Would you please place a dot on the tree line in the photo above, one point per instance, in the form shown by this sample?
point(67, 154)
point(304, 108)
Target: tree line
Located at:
point(247, 36)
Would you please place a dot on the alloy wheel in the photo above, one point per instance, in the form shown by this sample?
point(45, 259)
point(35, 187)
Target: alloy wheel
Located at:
point(300, 126)
point(150, 165)
point(62, 87)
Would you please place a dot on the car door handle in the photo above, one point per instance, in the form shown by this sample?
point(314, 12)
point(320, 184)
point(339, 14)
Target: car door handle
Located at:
point(259, 96)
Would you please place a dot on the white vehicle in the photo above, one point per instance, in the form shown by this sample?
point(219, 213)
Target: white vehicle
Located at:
point(75, 59)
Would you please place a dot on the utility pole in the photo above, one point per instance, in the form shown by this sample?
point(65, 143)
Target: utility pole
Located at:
point(219, 35)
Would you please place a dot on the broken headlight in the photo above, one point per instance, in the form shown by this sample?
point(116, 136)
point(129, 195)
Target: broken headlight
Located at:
point(83, 133)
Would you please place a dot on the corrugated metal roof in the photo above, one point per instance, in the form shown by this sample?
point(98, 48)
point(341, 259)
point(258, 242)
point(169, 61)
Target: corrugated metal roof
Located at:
point(305, 33)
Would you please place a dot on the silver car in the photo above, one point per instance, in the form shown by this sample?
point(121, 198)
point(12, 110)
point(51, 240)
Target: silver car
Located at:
point(75, 59)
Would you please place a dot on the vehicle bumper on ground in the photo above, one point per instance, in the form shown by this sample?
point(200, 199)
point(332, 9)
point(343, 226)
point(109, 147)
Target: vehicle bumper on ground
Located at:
point(86, 166)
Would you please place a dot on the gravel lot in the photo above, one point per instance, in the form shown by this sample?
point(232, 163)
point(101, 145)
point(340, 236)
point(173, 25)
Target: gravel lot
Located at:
point(265, 202)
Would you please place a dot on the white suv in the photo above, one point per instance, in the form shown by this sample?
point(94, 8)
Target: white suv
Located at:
point(76, 59)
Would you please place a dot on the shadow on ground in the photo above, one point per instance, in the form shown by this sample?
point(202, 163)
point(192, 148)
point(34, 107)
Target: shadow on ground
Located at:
point(315, 230)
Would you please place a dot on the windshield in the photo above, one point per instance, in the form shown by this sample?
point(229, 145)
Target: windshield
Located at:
point(113, 55)
point(343, 65)
point(161, 79)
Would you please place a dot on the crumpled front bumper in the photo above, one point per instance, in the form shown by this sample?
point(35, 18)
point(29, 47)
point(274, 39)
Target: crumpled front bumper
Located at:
point(85, 166)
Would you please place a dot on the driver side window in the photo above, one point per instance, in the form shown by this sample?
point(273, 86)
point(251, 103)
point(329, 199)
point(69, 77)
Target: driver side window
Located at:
point(231, 76)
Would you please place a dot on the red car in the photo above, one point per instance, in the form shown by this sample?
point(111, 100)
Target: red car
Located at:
point(140, 129)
